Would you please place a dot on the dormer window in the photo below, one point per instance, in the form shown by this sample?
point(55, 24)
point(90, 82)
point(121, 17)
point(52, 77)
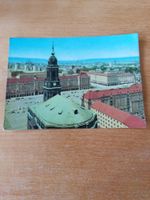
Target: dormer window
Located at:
point(76, 112)
point(60, 112)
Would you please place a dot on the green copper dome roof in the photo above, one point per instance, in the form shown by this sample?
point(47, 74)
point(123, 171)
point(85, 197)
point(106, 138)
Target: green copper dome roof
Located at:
point(52, 60)
point(62, 112)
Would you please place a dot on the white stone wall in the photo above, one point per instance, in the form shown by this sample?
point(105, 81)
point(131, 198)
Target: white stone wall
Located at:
point(114, 79)
point(96, 78)
point(105, 121)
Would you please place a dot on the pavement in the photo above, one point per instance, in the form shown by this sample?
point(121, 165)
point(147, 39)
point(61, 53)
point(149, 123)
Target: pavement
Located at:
point(16, 111)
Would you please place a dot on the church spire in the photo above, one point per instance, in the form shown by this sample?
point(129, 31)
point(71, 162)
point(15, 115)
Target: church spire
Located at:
point(53, 52)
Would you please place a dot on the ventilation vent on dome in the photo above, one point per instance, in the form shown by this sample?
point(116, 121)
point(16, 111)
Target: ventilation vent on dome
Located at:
point(76, 112)
point(60, 112)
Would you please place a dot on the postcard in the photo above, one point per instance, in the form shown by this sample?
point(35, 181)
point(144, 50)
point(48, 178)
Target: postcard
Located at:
point(74, 82)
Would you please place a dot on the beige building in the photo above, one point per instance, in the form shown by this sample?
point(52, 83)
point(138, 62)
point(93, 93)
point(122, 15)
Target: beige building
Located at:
point(111, 78)
point(111, 117)
point(76, 81)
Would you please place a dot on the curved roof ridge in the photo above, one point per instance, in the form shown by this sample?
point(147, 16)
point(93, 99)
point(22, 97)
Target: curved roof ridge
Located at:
point(62, 111)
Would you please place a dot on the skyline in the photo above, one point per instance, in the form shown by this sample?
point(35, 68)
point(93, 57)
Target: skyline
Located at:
point(76, 48)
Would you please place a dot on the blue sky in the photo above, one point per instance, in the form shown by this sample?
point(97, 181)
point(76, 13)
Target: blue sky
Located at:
point(76, 48)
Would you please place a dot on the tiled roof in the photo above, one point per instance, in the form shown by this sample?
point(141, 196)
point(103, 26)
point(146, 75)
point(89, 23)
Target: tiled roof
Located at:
point(30, 79)
point(127, 119)
point(22, 80)
point(93, 95)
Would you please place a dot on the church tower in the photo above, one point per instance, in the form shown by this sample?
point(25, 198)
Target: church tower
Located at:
point(52, 83)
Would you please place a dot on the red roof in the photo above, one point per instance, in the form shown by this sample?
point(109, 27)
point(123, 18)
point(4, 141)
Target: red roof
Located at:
point(93, 95)
point(127, 119)
point(31, 79)
point(22, 80)
point(84, 74)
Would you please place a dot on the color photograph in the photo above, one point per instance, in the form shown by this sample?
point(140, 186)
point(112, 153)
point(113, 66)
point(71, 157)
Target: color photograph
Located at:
point(74, 82)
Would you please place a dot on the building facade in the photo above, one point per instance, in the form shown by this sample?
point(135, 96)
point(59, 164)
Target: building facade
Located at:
point(126, 99)
point(75, 82)
point(24, 87)
point(111, 78)
point(33, 84)
point(111, 117)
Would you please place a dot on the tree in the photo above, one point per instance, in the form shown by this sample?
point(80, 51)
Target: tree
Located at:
point(70, 72)
point(84, 68)
point(78, 71)
point(94, 68)
point(16, 73)
point(60, 70)
point(103, 68)
point(131, 70)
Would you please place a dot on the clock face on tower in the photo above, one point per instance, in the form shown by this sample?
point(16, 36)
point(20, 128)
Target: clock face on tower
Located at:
point(54, 84)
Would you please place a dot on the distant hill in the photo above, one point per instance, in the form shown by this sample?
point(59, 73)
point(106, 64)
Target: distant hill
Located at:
point(102, 60)
point(84, 61)
point(25, 60)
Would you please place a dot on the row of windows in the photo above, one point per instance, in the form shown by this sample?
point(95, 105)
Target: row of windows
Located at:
point(106, 120)
point(110, 124)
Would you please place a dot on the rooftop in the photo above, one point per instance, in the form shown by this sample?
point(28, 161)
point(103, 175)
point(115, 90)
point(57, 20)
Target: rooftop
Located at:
point(23, 80)
point(59, 111)
point(93, 95)
point(31, 79)
point(127, 119)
